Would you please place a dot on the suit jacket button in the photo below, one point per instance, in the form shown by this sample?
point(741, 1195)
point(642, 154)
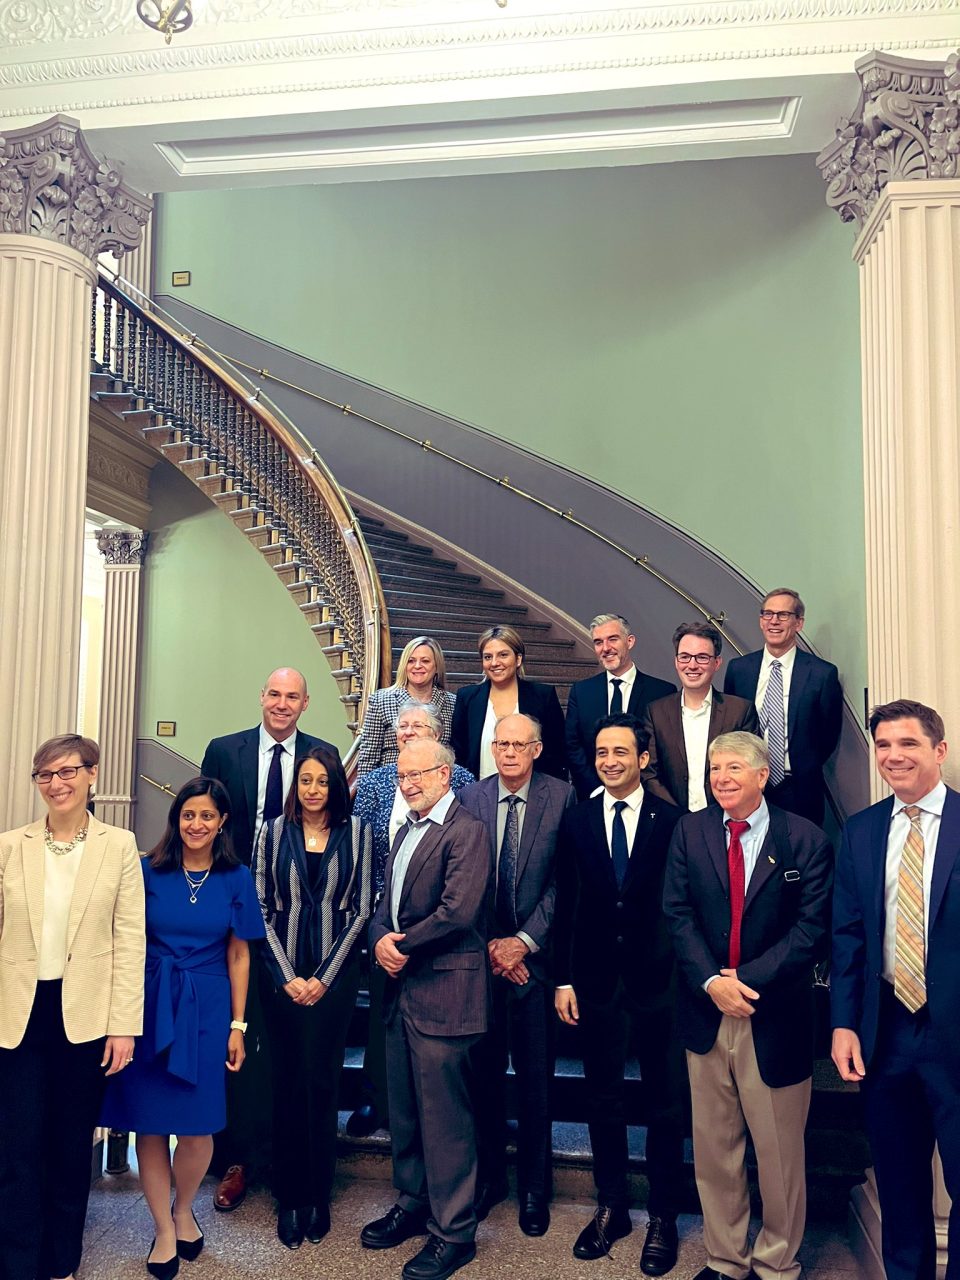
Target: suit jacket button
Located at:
point(619, 904)
point(619, 939)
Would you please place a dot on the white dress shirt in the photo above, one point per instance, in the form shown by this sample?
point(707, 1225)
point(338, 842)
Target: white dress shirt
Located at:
point(59, 880)
point(287, 761)
point(631, 815)
point(695, 723)
point(786, 674)
point(626, 686)
point(931, 811)
point(418, 828)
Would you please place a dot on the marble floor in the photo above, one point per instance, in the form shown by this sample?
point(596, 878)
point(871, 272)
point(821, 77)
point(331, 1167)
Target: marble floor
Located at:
point(243, 1244)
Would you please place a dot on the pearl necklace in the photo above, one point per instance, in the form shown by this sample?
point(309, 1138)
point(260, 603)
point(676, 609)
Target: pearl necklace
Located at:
point(195, 886)
point(62, 847)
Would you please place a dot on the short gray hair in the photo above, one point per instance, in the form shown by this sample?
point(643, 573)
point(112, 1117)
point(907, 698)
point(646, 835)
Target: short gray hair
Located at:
point(601, 618)
point(748, 746)
point(423, 709)
point(522, 715)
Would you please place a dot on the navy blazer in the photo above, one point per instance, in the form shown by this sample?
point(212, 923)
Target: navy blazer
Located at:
point(533, 699)
point(547, 801)
point(602, 933)
point(586, 704)
point(814, 708)
point(783, 934)
point(856, 970)
point(234, 760)
point(323, 930)
point(667, 775)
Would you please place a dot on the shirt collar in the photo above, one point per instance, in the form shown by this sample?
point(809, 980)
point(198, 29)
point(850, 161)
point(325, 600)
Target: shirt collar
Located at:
point(704, 707)
point(505, 794)
point(758, 818)
point(634, 800)
point(627, 678)
point(786, 662)
point(932, 802)
point(267, 743)
point(438, 813)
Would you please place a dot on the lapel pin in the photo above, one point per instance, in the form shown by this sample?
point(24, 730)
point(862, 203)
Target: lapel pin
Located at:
point(772, 860)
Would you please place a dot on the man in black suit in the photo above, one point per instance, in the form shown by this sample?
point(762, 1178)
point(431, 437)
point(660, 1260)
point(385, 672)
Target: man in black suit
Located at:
point(895, 983)
point(747, 901)
point(619, 687)
point(682, 726)
point(256, 767)
point(614, 974)
point(799, 702)
point(522, 811)
point(429, 934)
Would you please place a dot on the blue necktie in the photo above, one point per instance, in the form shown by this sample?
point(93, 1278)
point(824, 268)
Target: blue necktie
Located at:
point(771, 719)
point(618, 844)
point(507, 867)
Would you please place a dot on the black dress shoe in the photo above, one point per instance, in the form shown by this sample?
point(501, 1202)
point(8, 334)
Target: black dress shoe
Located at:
point(162, 1270)
point(660, 1247)
point(710, 1273)
point(314, 1222)
point(189, 1250)
point(289, 1231)
point(363, 1121)
point(393, 1228)
point(608, 1225)
point(489, 1194)
point(534, 1217)
point(439, 1259)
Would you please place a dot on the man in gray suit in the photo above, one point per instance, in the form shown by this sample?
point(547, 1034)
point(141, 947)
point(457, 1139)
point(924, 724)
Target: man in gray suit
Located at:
point(521, 811)
point(428, 933)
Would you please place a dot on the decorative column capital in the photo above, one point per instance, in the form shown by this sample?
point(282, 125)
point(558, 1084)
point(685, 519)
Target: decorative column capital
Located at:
point(122, 546)
point(53, 186)
point(906, 127)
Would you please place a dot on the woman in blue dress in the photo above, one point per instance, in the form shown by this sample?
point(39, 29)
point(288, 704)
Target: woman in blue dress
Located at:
point(201, 912)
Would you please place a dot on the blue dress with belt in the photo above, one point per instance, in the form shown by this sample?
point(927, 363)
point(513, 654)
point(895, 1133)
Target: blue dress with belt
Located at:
point(176, 1082)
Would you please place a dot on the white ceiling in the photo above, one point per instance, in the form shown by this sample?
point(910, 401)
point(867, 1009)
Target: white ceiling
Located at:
point(261, 92)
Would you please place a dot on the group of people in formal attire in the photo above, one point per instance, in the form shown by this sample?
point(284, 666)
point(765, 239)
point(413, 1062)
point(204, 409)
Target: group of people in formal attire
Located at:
point(650, 868)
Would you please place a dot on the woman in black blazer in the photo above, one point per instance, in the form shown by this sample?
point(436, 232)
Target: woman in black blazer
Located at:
point(313, 872)
point(503, 691)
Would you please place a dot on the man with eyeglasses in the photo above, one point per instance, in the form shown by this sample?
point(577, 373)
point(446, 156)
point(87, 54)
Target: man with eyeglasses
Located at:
point(682, 725)
point(521, 811)
point(429, 934)
point(799, 704)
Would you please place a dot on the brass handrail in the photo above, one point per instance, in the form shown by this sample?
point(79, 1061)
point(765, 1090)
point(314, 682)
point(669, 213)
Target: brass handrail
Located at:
point(161, 786)
point(717, 619)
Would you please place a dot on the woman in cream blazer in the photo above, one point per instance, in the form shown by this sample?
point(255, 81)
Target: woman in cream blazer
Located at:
point(71, 1002)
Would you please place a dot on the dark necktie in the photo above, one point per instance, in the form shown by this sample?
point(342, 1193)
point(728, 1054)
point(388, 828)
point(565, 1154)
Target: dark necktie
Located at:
point(507, 867)
point(737, 886)
point(273, 796)
point(618, 844)
point(616, 698)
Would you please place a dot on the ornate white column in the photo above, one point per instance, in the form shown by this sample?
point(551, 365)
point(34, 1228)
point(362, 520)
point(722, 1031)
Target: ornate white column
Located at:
point(894, 170)
point(124, 551)
point(59, 207)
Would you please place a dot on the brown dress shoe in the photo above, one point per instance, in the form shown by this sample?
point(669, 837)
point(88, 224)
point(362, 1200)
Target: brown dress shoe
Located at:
point(232, 1191)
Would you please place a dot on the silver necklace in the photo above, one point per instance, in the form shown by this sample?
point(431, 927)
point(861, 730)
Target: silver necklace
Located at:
point(312, 840)
point(59, 847)
point(195, 886)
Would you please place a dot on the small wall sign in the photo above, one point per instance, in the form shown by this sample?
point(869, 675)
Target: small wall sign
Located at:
point(166, 728)
point(180, 278)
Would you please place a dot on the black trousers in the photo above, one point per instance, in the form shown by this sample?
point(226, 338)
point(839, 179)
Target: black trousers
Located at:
point(523, 1029)
point(247, 1138)
point(609, 1032)
point(50, 1097)
point(306, 1055)
point(911, 1095)
point(373, 1082)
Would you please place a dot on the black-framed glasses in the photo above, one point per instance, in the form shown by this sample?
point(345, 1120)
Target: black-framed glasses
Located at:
point(502, 745)
point(701, 659)
point(415, 775)
point(43, 776)
point(781, 615)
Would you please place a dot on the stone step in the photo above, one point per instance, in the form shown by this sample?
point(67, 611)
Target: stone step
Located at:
point(419, 558)
point(459, 642)
point(426, 586)
point(434, 617)
point(485, 611)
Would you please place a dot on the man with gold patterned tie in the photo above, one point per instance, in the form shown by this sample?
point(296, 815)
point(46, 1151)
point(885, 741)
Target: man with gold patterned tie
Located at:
point(895, 983)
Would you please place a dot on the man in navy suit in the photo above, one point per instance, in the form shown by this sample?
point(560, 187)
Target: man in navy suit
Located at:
point(620, 687)
point(256, 767)
point(799, 702)
point(522, 811)
point(614, 974)
point(895, 983)
point(747, 897)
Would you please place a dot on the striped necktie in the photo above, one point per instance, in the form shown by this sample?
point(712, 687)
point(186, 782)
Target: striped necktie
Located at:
point(771, 719)
point(909, 977)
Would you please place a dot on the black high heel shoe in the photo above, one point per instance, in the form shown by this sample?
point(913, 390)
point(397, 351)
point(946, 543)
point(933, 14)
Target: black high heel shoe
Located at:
point(189, 1250)
point(162, 1270)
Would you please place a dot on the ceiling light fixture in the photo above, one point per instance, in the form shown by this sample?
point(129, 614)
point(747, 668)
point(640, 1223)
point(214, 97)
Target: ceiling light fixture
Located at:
point(170, 20)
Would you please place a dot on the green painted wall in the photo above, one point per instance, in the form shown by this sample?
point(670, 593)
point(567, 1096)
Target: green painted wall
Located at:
point(685, 333)
point(216, 621)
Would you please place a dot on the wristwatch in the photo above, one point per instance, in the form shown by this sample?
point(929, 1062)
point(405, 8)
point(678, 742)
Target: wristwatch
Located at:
point(235, 1025)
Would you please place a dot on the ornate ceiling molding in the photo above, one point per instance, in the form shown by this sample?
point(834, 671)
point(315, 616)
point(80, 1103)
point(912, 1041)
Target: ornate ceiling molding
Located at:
point(906, 127)
point(53, 186)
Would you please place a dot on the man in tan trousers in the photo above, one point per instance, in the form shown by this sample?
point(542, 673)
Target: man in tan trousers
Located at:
point(746, 899)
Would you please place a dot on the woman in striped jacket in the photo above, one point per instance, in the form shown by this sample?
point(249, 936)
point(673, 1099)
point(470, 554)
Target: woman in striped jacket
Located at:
point(313, 872)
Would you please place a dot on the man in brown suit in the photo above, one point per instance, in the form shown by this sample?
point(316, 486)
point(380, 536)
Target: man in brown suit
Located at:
point(682, 725)
point(428, 934)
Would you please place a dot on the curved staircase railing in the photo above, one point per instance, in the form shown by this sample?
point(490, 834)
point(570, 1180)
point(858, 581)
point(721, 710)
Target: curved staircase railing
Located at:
point(256, 465)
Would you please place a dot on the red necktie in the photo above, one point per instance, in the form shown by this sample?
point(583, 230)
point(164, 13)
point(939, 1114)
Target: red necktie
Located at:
point(737, 886)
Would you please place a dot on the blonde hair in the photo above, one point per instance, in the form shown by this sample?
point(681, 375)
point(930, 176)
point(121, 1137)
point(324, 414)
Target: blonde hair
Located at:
point(507, 635)
point(439, 676)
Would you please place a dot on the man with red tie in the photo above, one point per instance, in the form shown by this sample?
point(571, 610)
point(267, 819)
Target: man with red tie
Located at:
point(746, 899)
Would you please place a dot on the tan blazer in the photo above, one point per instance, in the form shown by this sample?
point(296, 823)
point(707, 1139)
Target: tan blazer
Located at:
point(106, 939)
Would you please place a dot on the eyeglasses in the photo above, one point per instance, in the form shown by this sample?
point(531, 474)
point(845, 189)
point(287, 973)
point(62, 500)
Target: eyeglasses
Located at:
point(501, 745)
point(415, 775)
point(781, 615)
point(701, 659)
point(43, 776)
point(413, 724)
